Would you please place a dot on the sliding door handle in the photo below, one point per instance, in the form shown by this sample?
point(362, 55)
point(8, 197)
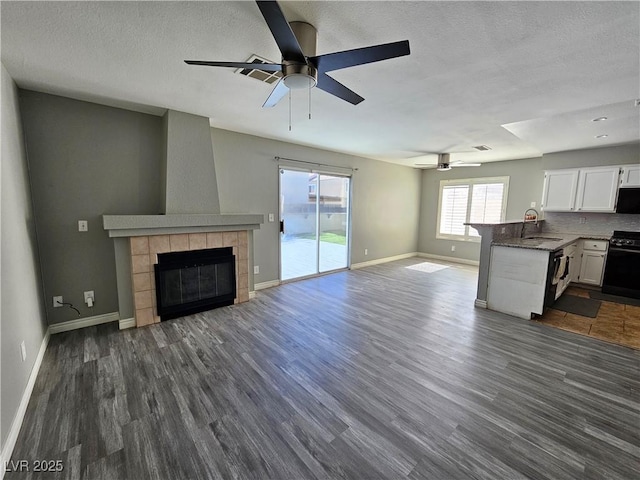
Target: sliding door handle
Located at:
point(281, 226)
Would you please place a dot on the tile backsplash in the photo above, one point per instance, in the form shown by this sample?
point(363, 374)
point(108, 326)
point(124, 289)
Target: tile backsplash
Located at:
point(595, 223)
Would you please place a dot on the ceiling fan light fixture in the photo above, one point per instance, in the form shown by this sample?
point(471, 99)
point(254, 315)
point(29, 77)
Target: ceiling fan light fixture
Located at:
point(299, 81)
point(298, 76)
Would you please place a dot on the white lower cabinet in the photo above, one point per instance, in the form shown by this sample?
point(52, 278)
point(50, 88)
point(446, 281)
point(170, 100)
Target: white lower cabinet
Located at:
point(592, 267)
point(574, 264)
point(573, 257)
point(594, 253)
point(517, 281)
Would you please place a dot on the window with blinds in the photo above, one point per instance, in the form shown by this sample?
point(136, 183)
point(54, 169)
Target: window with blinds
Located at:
point(453, 210)
point(478, 200)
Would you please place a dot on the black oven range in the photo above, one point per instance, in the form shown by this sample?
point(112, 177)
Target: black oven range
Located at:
point(622, 269)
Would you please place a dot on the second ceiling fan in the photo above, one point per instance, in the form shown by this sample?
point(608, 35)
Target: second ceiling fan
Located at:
point(301, 67)
point(445, 163)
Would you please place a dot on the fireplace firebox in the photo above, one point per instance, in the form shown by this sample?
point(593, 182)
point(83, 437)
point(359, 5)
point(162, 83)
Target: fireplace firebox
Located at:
point(194, 281)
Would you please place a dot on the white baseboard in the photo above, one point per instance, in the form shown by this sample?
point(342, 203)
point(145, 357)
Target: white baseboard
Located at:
point(480, 303)
point(126, 323)
point(84, 322)
point(10, 443)
point(263, 285)
point(444, 258)
point(378, 261)
point(252, 294)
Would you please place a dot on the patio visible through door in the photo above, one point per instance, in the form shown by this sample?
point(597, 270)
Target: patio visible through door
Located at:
point(314, 215)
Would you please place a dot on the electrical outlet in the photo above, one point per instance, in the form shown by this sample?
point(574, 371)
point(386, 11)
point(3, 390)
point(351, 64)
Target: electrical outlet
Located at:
point(23, 351)
point(57, 301)
point(453, 248)
point(366, 251)
point(89, 298)
point(256, 269)
point(272, 217)
point(583, 219)
point(533, 204)
point(504, 229)
point(83, 226)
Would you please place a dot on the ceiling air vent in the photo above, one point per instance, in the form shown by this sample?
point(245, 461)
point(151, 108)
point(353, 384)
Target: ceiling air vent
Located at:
point(482, 148)
point(259, 74)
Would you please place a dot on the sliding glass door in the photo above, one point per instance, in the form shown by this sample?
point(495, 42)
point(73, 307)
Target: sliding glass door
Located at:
point(333, 220)
point(298, 225)
point(314, 223)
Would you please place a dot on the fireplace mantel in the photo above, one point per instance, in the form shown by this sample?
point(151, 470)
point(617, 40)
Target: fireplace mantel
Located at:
point(139, 238)
point(139, 225)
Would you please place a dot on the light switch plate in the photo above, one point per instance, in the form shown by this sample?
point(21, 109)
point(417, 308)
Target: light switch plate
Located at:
point(83, 226)
point(272, 217)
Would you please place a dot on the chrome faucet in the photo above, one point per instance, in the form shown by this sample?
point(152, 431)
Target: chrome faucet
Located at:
point(535, 216)
point(526, 220)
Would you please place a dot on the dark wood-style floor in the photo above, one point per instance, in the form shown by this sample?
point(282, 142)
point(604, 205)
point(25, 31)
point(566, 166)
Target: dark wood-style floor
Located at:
point(384, 372)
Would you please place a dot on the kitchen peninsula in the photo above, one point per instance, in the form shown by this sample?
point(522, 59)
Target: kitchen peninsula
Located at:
point(523, 269)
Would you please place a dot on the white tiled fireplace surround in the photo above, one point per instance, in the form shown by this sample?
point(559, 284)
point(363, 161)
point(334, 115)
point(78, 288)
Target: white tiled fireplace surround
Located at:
point(138, 239)
point(144, 255)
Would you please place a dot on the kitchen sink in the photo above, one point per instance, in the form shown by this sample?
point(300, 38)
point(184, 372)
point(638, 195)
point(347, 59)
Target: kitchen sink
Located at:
point(536, 241)
point(544, 239)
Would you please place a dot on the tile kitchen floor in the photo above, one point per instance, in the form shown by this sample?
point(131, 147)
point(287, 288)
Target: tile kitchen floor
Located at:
point(615, 322)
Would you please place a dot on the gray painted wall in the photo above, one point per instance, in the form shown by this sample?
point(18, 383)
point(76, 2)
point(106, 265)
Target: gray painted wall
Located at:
point(525, 186)
point(385, 197)
point(593, 157)
point(22, 316)
point(86, 160)
point(190, 172)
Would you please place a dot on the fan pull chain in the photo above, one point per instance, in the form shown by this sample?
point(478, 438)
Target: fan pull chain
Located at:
point(309, 99)
point(289, 109)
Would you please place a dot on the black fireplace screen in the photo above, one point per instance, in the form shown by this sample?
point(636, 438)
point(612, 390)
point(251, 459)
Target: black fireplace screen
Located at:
point(194, 281)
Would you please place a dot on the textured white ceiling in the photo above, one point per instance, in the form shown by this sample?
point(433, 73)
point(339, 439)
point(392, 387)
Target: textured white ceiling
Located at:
point(474, 66)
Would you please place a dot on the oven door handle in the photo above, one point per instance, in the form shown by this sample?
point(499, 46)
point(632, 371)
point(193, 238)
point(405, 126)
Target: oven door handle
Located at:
point(627, 250)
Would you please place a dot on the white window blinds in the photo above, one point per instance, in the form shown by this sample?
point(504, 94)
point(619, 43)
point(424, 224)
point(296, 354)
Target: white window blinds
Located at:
point(486, 204)
point(479, 200)
point(454, 209)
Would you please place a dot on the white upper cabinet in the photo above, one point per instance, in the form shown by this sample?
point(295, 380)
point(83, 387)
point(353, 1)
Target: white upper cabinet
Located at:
point(593, 189)
point(559, 193)
point(597, 189)
point(630, 176)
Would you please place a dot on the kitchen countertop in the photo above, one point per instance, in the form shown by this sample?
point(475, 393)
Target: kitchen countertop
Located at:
point(548, 241)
